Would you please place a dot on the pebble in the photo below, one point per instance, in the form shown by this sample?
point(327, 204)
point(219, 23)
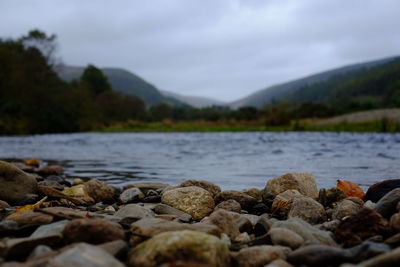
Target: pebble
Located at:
point(245, 201)
point(229, 205)
point(386, 206)
point(285, 237)
point(259, 255)
point(131, 195)
point(213, 189)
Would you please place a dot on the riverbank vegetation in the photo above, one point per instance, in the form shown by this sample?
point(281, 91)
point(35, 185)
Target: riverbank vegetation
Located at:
point(34, 100)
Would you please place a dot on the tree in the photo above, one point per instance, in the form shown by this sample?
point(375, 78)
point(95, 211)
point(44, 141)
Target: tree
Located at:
point(95, 80)
point(45, 44)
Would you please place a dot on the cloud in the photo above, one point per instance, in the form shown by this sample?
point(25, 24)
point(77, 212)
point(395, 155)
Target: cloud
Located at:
point(218, 48)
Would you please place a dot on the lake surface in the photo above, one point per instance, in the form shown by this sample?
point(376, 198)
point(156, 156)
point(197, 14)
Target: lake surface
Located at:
point(232, 160)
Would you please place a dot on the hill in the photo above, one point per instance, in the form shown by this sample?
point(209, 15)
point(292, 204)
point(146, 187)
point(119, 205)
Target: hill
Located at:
point(124, 82)
point(289, 89)
point(194, 101)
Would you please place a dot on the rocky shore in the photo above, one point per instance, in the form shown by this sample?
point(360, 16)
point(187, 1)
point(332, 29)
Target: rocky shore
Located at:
point(48, 219)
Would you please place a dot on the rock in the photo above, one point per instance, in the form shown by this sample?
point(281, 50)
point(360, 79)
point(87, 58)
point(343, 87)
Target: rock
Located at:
point(327, 197)
point(377, 191)
point(165, 209)
point(285, 237)
point(391, 258)
point(225, 221)
point(210, 187)
point(131, 195)
point(193, 200)
point(184, 245)
point(134, 211)
point(279, 263)
point(260, 209)
point(152, 227)
point(8, 227)
point(394, 240)
point(30, 218)
point(100, 191)
point(309, 233)
point(53, 184)
point(39, 251)
point(116, 248)
point(386, 206)
point(367, 250)
point(303, 182)
point(59, 179)
point(229, 205)
point(259, 256)
point(65, 213)
point(319, 255)
point(4, 205)
point(254, 192)
point(243, 222)
point(76, 191)
point(345, 208)
point(262, 226)
point(15, 184)
point(83, 255)
point(246, 202)
point(307, 209)
point(77, 181)
point(369, 204)
point(146, 186)
point(50, 170)
point(55, 228)
point(93, 231)
point(395, 223)
point(356, 228)
point(20, 248)
point(283, 202)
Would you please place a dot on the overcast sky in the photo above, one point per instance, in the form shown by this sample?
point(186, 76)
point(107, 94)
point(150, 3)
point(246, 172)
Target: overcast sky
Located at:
point(225, 49)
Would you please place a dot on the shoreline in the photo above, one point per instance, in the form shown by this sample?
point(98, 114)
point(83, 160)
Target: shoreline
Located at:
point(48, 219)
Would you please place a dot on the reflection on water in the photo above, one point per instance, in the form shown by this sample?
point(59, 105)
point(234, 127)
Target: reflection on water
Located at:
point(232, 160)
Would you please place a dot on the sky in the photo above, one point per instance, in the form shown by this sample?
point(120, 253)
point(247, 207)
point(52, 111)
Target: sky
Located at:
point(223, 49)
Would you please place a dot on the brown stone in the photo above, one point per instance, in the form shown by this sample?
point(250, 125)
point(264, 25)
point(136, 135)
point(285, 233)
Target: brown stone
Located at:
point(395, 223)
point(93, 231)
point(225, 221)
point(259, 256)
point(51, 170)
point(307, 209)
point(377, 191)
point(210, 187)
point(229, 205)
point(246, 202)
point(4, 205)
point(30, 218)
point(100, 191)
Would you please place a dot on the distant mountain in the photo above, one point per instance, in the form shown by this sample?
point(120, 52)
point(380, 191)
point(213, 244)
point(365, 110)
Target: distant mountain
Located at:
point(289, 89)
point(195, 101)
point(123, 81)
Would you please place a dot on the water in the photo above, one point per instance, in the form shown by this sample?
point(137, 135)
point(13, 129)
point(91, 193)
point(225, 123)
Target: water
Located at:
point(232, 160)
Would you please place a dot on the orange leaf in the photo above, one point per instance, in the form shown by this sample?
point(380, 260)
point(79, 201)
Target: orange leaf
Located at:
point(350, 189)
point(30, 206)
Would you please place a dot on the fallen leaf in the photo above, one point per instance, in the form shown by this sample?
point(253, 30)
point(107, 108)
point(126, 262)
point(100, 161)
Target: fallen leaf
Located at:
point(30, 206)
point(350, 189)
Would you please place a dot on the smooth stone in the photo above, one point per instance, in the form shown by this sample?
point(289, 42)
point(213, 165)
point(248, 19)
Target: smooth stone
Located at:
point(345, 208)
point(327, 197)
point(116, 248)
point(225, 221)
point(279, 263)
point(309, 233)
point(66, 213)
point(394, 223)
point(20, 248)
point(206, 185)
point(307, 209)
point(84, 255)
point(229, 205)
point(8, 227)
point(254, 192)
point(193, 200)
point(59, 179)
point(30, 218)
point(389, 259)
point(50, 170)
point(4, 205)
point(165, 209)
point(303, 182)
point(246, 202)
point(77, 181)
point(55, 228)
point(147, 228)
point(360, 226)
point(134, 211)
point(377, 191)
point(131, 195)
point(368, 250)
point(52, 184)
point(39, 251)
point(386, 206)
point(191, 246)
point(259, 255)
point(283, 202)
point(93, 231)
point(100, 191)
point(285, 237)
point(15, 184)
point(146, 186)
point(319, 255)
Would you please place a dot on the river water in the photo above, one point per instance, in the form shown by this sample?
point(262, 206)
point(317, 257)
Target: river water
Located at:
point(231, 160)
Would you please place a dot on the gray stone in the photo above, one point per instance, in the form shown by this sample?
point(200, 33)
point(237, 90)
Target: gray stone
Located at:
point(116, 248)
point(39, 251)
point(345, 208)
point(246, 202)
point(259, 255)
point(55, 228)
point(386, 206)
point(131, 195)
point(134, 211)
point(307, 209)
point(190, 246)
point(165, 209)
point(319, 255)
point(146, 186)
point(193, 200)
point(368, 250)
point(389, 259)
point(285, 237)
point(309, 233)
point(84, 255)
point(15, 184)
